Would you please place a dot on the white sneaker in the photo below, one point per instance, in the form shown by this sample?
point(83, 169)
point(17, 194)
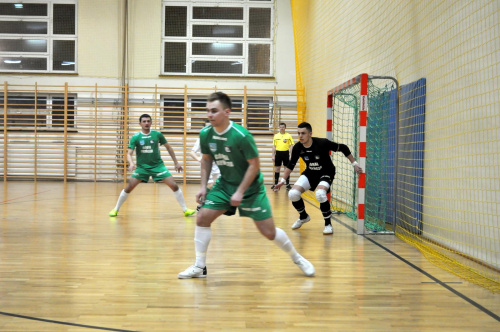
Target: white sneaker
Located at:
point(305, 266)
point(328, 229)
point(193, 272)
point(300, 222)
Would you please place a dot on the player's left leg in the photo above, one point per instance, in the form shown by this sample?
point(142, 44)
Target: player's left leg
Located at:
point(267, 228)
point(168, 179)
point(324, 206)
point(258, 207)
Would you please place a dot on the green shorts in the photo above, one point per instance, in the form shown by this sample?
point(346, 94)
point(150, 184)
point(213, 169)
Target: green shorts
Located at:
point(255, 205)
point(158, 173)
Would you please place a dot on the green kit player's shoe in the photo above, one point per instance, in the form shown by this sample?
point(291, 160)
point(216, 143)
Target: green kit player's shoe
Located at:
point(189, 212)
point(113, 213)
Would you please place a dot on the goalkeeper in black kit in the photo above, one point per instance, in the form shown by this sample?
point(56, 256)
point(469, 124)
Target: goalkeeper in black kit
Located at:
point(318, 176)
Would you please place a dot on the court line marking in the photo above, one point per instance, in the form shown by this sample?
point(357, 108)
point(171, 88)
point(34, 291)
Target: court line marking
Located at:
point(13, 199)
point(64, 323)
point(427, 274)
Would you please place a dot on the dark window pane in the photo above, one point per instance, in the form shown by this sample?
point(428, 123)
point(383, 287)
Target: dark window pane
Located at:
point(58, 112)
point(24, 102)
point(217, 49)
point(23, 27)
point(175, 21)
point(23, 45)
point(64, 19)
point(173, 113)
point(221, 31)
point(175, 57)
point(260, 23)
point(258, 114)
point(217, 13)
point(217, 67)
point(27, 9)
point(21, 110)
point(237, 110)
point(16, 63)
point(259, 58)
point(63, 55)
point(198, 113)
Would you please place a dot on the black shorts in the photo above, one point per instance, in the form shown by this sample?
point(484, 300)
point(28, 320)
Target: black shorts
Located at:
point(281, 158)
point(315, 179)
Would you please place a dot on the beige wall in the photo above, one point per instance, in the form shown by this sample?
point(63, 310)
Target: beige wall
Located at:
point(100, 38)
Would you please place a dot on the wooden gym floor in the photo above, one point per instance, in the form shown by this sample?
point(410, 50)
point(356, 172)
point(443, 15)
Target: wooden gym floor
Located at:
point(66, 266)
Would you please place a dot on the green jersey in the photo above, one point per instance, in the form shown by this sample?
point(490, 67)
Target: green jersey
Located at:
point(231, 150)
point(147, 148)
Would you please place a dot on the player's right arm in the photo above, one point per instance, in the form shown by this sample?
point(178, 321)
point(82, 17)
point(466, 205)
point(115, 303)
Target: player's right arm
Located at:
point(206, 167)
point(130, 159)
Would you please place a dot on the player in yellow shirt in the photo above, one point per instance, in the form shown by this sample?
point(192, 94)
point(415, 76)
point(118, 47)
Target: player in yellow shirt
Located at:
point(282, 148)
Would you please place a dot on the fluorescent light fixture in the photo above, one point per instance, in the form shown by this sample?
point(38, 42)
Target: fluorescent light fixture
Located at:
point(218, 45)
point(12, 61)
point(67, 63)
point(18, 5)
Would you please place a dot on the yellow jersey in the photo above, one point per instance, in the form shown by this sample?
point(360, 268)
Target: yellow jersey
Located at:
point(283, 142)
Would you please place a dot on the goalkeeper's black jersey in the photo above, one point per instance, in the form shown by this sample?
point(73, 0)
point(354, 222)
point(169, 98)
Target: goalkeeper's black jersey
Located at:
point(317, 156)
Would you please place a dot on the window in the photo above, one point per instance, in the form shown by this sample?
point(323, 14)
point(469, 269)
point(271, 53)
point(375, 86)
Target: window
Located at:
point(173, 113)
point(258, 112)
point(39, 36)
point(44, 112)
point(230, 38)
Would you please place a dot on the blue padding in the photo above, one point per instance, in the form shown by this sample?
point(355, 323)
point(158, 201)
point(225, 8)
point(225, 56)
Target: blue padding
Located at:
point(411, 156)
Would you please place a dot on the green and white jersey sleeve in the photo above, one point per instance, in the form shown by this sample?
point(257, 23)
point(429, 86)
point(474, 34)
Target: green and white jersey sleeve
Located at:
point(231, 150)
point(147, 147)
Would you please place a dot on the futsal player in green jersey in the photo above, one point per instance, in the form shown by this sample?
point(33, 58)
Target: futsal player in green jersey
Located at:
point(149, 164)
point(240, 186)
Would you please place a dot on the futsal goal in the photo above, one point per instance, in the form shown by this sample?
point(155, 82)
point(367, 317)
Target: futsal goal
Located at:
point(362, 113)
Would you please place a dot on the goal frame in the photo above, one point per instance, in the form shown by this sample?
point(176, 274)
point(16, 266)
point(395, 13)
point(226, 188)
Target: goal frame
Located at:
point(363, 80)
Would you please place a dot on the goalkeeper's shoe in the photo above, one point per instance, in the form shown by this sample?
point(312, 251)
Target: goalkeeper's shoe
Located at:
point(189, 212)
point(300, 222)
point(113, 213)
point(328, 230)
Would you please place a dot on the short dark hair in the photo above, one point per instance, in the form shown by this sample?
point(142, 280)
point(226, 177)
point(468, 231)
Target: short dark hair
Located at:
point(283, 124)
point(222, 98)
point(144, 116)
point(305, 125)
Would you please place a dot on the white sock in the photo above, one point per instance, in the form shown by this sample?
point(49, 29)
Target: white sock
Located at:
point(180, 198)
point(202, 236)
point(283, 241)
point(121, 199)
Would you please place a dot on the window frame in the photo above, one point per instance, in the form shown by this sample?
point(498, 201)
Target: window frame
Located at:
point(246, 41)
point(195, 120)
point(49, 37)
